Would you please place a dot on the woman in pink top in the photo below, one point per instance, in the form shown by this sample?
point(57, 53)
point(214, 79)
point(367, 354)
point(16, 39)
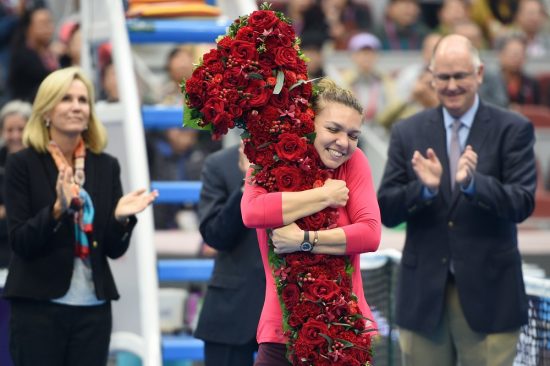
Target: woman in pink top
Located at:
point(337, 127)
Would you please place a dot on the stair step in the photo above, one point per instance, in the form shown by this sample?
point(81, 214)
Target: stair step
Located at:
point(161, 117)
point(176, 30)
point(194, 270)
point(177, 191)
point(182, 347)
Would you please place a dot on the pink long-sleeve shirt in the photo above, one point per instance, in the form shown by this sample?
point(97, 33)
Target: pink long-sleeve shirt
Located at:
point(360, 220)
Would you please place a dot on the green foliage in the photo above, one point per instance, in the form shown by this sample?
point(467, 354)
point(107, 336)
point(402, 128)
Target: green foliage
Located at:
point(192, 119)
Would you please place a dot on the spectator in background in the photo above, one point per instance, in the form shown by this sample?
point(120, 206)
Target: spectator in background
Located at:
point(472, 31)
point(9, 18)
point(307, 17)
point(179, 67)
point(452, 12)
point(402, 28)
point(345, 18)
point(13, 118)
point(422, 96)
point(32, 59)
point(461, 177)
point(109, 86)
point(312, 47)
point(108, 91)
point(373, 89)
point(177, 153)
point(235, 296)
point(520, 87)
point(492, 90)
point(73, 45)
point(495, 17)
point(407, 76)
point(532, 21)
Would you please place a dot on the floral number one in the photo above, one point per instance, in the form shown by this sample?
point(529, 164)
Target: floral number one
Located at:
point(256, 79)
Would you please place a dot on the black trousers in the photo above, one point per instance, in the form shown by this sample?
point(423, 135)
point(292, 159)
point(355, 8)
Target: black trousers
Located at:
point(49, 334)
point(219, 354)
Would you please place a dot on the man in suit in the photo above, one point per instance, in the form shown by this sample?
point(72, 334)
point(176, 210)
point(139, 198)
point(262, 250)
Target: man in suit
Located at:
point(235, 295)
point(461, 296)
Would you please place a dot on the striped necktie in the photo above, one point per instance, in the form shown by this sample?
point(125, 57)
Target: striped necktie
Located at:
point(454, 151)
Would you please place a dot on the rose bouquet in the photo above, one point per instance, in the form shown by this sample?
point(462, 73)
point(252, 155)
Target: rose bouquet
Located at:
point(256, 79)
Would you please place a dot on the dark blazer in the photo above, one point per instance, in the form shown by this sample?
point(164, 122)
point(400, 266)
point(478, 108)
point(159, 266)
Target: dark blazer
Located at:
point(478, 233)
point(5, 251)
point(43, 248)
point(235, 296)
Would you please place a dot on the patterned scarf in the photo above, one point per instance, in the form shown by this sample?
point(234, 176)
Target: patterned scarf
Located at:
point(81, 207)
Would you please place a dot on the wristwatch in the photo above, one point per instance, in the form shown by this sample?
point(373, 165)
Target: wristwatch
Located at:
point(306, 245)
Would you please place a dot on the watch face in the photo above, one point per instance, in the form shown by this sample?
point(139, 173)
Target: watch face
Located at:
point(306, 246)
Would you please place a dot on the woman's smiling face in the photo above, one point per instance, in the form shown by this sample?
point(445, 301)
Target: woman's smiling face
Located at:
point(337, 129)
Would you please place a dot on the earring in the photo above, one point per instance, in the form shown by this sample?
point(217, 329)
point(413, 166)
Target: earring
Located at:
point(48, 123)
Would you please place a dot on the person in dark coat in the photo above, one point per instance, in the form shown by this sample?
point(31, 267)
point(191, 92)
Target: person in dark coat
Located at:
point(461, 175)
point(62, 228)
point(235, 295)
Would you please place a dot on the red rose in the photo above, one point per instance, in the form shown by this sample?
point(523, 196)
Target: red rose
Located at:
point(246, 34)
point(270, 113)
point(277, 39)
point(286, 57)
point(290, 146)
point(291, 296)
point(315, 221)
point(286, 31)
point(305, 310)
point(258, 93)
point(210, 57)
point(222, 123)
point(242, 50)
point(235, 111)
point(224, 45)
point(280, 100)
point(323, 289)
point(288, 179)
point(231, 95)
point(212, 108)
point(310, 332)
point(264, 157)
point(267, 60)
point(305, 352)
point(290, 78)
point(234, 77)
point(262, 20)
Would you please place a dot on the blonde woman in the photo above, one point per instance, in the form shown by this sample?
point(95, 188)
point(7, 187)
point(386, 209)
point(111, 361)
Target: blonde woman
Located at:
point(66, 216)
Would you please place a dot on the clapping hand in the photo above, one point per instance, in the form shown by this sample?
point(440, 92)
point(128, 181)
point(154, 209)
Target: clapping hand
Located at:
point(66, 191)
point(133, 203)
point(428, 169)
point(467, 164)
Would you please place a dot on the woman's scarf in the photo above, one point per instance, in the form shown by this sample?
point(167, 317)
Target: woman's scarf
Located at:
point(81, 207)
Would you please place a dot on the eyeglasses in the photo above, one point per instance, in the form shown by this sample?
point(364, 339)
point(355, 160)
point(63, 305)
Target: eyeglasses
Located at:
point(457, 76)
